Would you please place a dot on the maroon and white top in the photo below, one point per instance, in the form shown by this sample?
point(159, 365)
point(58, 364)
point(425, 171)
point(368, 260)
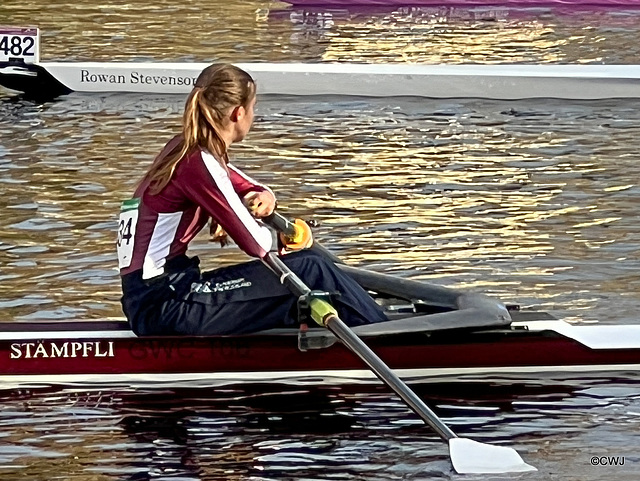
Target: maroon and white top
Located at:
point(156, 228)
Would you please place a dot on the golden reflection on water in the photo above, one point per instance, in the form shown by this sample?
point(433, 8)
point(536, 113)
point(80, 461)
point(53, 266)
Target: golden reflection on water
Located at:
point(531, 201)
point(495, 198)
point(439, 206)
point(455, 35)
point(435, 42)
point(273, 31)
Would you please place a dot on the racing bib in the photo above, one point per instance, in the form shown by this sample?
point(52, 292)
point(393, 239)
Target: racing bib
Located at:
point(20, 44)
point(127, 231)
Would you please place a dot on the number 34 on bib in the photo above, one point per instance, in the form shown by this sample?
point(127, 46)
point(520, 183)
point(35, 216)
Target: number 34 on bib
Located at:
point(127, 231)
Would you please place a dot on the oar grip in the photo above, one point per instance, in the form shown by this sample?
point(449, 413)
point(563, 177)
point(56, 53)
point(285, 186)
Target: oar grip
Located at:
point(288, 228)
point(296, 235)
point(302, 239)
point(280, 223)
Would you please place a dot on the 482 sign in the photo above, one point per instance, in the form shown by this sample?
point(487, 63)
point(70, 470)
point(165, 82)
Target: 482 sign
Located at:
point(20, 43)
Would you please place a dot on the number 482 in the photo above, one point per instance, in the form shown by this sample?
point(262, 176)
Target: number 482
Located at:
point(17, 46)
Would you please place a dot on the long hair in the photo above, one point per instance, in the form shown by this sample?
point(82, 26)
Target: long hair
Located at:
point(218, 89)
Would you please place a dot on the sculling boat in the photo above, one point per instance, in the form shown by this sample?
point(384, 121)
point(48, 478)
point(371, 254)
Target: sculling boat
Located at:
point(434, 331)
point(48, 80)
point(21, 71)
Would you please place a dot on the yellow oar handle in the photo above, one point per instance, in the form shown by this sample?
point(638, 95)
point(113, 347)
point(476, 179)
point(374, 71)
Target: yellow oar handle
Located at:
point(321, 311)
point(287, 228)
point(301, 238)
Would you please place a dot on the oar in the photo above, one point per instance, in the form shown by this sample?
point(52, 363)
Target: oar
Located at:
point(467, 456)
point(288, 228)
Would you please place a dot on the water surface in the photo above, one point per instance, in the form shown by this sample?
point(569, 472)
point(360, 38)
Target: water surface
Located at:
point(534, 202)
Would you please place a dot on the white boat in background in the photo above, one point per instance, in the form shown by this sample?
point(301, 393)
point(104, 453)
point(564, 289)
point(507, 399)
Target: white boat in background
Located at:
point(21, 71)
point(506, 82)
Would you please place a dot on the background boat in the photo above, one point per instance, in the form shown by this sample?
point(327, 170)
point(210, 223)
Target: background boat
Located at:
point(47, 81)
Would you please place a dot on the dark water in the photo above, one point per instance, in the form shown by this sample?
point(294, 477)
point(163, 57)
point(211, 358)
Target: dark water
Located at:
point(320, 433)
point(534, 202)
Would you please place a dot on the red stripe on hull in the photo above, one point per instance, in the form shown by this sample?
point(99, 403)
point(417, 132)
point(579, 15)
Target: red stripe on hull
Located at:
point(280, 353)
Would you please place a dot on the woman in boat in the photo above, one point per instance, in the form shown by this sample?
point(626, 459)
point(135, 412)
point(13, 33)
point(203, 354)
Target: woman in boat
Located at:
point(190, 183)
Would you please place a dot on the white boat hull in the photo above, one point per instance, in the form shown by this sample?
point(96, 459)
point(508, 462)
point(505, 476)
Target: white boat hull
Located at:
point(505, 82)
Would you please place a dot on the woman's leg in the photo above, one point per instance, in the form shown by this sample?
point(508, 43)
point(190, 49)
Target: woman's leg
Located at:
point(355, 306)
point(248, 297)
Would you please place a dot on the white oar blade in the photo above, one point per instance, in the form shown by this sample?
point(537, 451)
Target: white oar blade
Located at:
point(472, 457)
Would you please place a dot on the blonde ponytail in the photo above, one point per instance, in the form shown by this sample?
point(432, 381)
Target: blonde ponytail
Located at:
point(218, 89)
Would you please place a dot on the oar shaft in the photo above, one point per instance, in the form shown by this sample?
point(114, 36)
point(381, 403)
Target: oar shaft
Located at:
point(467, 456)
point(386, 375)
point(287, 277)
point(355, 344)
point(280, 223)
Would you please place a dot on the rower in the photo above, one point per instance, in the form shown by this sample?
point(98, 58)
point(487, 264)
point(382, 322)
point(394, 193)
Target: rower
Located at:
point(192, 182)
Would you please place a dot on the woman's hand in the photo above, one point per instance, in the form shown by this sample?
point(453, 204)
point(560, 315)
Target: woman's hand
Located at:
point(260, 204)
point(217, 234)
